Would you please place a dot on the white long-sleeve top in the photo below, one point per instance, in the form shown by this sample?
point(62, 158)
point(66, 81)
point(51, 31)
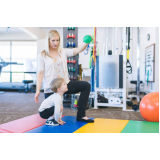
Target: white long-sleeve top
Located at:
point(47, 65)
point(53, 100)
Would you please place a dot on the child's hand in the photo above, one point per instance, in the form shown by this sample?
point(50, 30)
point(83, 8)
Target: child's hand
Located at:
point(60, 121)
point(63, 122)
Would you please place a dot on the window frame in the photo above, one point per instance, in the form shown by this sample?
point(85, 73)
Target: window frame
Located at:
point(11, 58)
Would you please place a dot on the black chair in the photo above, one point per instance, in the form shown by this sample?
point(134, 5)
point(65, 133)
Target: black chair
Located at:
point(135, 92)
point(26, 82)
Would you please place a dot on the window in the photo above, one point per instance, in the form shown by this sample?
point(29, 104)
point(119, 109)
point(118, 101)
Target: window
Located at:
point(24, 53)
point(5, 56)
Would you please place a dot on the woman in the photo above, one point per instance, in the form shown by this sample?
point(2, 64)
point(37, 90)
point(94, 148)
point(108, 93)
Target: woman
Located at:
point(52, 63)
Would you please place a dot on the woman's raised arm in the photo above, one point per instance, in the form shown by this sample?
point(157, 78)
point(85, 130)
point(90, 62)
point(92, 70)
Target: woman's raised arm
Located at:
point(86, 40)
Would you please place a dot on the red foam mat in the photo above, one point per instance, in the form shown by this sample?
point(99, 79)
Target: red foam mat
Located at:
point(24, 124)
point(3, 131)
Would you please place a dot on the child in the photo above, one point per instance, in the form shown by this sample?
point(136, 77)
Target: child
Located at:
point(51, 108)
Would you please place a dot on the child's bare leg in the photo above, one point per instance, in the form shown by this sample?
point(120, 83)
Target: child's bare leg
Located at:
point(51, 117)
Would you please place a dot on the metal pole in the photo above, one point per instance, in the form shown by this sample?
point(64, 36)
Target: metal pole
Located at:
point(10, 61)
point(107, 37)
point(124, 67)
point(104, 40)
point(116, 40)
point(113, 40)
point(138, 64)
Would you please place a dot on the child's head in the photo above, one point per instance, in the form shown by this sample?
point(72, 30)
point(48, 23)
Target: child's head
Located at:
point(58, 85)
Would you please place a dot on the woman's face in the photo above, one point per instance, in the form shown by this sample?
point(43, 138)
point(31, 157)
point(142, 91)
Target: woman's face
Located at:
point(54, 42)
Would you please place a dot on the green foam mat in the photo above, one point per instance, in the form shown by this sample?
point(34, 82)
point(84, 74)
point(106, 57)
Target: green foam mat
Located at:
point(141, 127)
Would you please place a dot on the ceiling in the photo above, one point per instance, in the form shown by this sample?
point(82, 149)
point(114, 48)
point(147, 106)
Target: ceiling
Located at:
point(10, 30)
point(18, 30)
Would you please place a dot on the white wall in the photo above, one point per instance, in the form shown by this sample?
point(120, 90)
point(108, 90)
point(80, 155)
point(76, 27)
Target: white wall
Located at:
point(40, 45)
point(82, 31)
point(101, 39)
point(154, 34)
point(14, 36)
point(154, 39)
point(156, 87)
point(84, 59)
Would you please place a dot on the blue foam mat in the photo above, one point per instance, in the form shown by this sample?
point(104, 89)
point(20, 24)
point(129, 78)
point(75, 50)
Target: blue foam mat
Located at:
point(71, 126)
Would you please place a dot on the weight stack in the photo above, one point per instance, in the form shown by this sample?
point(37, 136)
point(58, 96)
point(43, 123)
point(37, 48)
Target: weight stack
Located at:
point(66, 31)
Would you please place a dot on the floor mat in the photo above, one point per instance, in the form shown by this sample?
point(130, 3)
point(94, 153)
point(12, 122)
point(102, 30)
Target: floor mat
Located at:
point(141, 127)
point(103, 126)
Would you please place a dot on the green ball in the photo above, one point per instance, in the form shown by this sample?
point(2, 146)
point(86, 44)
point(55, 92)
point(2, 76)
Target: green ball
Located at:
point(87, 39)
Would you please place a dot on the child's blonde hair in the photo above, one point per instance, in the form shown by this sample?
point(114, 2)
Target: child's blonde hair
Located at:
point(51, 34)
point(56, 83)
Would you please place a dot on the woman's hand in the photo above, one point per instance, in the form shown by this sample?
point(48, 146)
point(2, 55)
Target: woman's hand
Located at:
point(80, 48)
point(36, 96)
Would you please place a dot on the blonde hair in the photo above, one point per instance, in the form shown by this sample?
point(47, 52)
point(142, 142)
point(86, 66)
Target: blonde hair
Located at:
point(56, 83)
point(51, 34)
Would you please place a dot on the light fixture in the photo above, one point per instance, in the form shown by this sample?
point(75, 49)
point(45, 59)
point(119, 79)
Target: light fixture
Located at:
point(8, 30)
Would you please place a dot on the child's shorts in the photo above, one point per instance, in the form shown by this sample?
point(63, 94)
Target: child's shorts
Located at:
point(45, 114)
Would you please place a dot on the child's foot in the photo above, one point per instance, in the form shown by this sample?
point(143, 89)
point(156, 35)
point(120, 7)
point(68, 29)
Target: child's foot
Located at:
point(85, 119)
point(52, 122)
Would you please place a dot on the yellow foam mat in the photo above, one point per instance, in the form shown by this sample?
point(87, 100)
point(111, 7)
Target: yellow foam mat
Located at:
point(103, 126)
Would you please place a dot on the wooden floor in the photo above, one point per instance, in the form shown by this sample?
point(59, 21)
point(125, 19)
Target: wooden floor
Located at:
point(14, 105)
